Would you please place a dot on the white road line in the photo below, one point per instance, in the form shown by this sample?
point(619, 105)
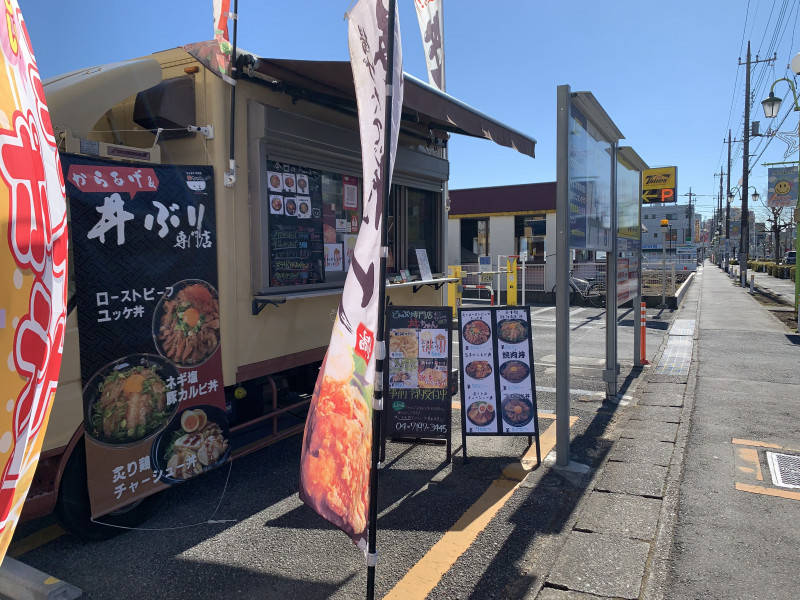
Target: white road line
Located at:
point(552, 390)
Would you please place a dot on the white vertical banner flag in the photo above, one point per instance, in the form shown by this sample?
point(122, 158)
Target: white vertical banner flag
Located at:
point(431, 26)
point(337, 443)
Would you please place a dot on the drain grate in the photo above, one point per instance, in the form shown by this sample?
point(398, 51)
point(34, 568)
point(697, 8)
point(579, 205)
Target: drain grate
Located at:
point(785, 469)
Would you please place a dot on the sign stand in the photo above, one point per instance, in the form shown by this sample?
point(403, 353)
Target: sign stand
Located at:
point(496, 367)
point(416, 382)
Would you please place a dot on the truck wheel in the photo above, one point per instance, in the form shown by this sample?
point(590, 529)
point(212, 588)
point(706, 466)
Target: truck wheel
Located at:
point(73, 512)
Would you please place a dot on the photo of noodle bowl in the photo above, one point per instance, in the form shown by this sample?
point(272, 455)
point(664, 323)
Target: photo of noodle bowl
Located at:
point(480, 413)
point(195, 442)
point(517, 410)
point(127, 400)
point(512, 331)
point(186, 324)
point(403, 343)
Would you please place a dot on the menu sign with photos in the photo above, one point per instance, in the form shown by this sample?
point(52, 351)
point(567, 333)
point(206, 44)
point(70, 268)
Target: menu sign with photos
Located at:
point(145, 250)
point(297, 254)
point(417, 378)
point(498, 391)
point(478, 387)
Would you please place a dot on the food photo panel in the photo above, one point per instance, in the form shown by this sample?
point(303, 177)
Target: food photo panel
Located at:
point(303, 207)
point(289, 182)
point(275, 204)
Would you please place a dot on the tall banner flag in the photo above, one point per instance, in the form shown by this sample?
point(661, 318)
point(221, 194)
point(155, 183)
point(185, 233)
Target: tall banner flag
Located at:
point(222, 13)
point(33, 266)
point(782, 187)
point(337, 442)
point(431, 25)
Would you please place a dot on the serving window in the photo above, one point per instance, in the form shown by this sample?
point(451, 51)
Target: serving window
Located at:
point(414, 222)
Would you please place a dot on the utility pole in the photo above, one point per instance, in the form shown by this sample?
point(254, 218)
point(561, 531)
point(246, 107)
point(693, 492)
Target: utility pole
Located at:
point(728, 204)
point(744, 243)
point(719, 211)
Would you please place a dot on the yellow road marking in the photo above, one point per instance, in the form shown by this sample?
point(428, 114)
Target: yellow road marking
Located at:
point(33, 541)
point(426, 574)
point(761, 445)
point(747, 462)
point(758, 489)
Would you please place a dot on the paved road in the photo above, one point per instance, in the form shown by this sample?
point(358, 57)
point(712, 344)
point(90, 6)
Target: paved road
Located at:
point(241, 531)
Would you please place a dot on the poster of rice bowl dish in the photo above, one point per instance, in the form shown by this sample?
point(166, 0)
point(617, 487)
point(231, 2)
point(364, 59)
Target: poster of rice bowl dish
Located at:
point(149, 327)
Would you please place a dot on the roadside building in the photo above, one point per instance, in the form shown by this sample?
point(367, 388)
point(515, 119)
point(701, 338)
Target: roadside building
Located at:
point(679, 239)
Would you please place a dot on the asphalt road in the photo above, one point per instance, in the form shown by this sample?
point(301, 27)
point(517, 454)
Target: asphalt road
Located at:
point(242, 532)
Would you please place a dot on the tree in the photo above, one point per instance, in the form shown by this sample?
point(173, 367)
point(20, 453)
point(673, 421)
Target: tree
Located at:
point(777, 220)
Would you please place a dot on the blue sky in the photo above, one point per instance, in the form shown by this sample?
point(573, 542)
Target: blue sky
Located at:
point(667, 73)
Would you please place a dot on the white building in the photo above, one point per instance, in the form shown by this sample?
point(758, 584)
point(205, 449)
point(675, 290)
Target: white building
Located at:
point(679, 239)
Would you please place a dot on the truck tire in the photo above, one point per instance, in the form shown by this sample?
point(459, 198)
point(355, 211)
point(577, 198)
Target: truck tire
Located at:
point(73, 512)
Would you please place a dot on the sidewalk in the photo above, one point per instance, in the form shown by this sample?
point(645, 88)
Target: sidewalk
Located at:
point(620, 537)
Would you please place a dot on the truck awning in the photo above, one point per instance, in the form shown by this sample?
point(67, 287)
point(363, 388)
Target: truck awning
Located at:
point(426, 110)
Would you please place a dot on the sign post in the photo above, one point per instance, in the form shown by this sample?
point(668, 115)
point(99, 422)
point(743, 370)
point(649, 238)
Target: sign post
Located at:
point(664, 230)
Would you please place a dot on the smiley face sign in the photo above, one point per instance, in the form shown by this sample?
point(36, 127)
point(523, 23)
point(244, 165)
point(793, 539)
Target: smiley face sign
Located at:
point(782, 187)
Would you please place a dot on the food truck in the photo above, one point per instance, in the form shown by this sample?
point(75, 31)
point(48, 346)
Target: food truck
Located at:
point(211, 229)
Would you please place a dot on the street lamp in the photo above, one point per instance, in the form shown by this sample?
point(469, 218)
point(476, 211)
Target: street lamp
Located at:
point(771, 107)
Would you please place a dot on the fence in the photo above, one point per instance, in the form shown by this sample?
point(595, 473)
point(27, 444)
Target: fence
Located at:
point(653, 279)
point(536, 278)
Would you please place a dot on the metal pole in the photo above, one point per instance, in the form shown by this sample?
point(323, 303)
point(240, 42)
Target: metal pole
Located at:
point(611, 289)
point(372, 551)
point(562, 273)
point(637, 301)
point(663, 269)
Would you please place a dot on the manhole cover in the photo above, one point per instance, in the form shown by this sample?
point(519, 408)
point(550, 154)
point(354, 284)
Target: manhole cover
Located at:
point(785, 469)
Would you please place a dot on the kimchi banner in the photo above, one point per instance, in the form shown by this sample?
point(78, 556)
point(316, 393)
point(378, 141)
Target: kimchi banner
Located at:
point(33, 266)
point(337, 442)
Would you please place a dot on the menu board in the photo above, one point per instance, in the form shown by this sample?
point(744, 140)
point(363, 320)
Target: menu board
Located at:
point(498, 392)
point(297, 253)
point(416, 381)
point(145, 262)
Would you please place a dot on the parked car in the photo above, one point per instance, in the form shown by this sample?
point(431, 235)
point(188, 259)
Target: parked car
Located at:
point(790, 258)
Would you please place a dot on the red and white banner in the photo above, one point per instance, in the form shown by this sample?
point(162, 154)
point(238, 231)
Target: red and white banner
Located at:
point(33, 266)
point(221, 15)
point(337, 444)
point(431, 25)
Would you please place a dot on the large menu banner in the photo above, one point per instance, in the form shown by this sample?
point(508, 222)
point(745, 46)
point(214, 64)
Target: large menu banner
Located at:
point(145, 250)
point(418, 394)
point(33, 267)
point(498, 391)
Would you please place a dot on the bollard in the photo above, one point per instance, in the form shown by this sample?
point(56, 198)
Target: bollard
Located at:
point(752, 283)
point(643, 334)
